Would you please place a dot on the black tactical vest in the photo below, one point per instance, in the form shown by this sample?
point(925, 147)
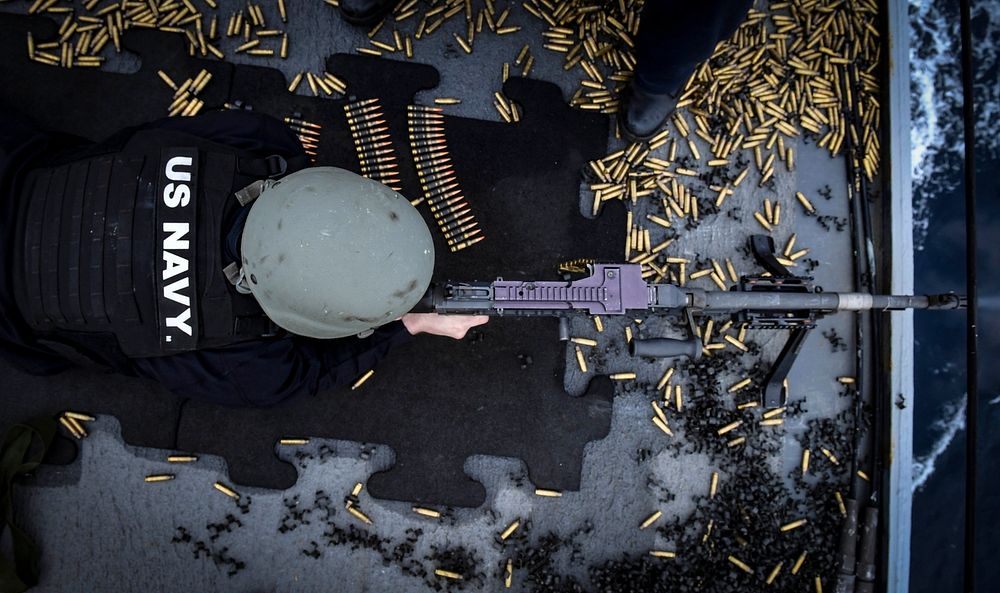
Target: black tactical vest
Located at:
point(120, 255)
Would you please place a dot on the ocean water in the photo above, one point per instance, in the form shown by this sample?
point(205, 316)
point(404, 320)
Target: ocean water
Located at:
point(939, 237)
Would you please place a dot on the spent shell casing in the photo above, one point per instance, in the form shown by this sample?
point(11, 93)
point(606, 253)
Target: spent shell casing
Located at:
point(729, 427)
point(163, 75)
point(182, 458)
point(448, 574)
point(650, 519)
point(547, 492)
point(359, 515)
point(793, 525)
point(740, 385)
point(68, 424)
point(226, 490)
point(740, 564)
point(774, 412)
point(159, 478)
point(665, 378)
point(510, 529)
point(658, 411)
point(663, 426)
point(774, 573)
point(798, 563)
point(426, 512)
point(361, 380)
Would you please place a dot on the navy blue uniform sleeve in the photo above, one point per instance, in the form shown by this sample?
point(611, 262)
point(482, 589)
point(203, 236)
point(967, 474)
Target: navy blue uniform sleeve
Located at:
point(262, 373)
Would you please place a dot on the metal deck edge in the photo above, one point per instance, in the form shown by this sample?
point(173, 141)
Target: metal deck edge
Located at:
point(901, 282)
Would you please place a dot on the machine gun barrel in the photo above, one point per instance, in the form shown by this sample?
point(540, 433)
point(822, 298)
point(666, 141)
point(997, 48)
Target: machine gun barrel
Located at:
point(717, 301)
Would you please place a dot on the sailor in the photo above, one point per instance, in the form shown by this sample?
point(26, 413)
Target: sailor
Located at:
point(675, 36)
point(203, 253)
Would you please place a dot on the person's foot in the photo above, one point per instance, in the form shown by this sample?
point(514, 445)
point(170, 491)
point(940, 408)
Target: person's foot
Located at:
point(642, 113)
point(365, 12)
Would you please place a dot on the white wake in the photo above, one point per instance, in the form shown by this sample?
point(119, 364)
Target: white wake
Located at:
point(952, 422)
point(936, 98)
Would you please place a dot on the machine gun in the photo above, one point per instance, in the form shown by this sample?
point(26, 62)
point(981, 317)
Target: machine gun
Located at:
point(775, 301)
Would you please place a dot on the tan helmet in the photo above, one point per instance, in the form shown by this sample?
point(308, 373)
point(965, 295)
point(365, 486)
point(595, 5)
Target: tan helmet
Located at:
point(328, 253)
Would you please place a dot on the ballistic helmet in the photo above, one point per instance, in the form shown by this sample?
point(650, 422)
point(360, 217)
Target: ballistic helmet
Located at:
point(328, 253)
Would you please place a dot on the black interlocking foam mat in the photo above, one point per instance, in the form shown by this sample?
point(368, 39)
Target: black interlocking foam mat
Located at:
point(434, 401)
point(92, 103)
point(148, 415)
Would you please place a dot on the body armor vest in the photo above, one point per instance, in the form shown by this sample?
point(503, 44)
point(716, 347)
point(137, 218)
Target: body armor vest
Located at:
point(120, 255)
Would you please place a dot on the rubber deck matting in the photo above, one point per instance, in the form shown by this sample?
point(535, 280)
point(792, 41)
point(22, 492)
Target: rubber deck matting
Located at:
point(435, 401)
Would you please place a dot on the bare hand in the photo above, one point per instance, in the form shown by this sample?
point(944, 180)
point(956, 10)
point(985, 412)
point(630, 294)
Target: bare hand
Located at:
point(451, 326)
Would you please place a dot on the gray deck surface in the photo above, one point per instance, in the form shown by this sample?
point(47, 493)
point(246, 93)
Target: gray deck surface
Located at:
point(103, 529)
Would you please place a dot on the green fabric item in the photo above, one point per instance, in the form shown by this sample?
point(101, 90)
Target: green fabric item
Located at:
point(17, 458)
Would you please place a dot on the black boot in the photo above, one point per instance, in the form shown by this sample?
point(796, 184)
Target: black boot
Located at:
point(366, 12)
point(642, 114)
